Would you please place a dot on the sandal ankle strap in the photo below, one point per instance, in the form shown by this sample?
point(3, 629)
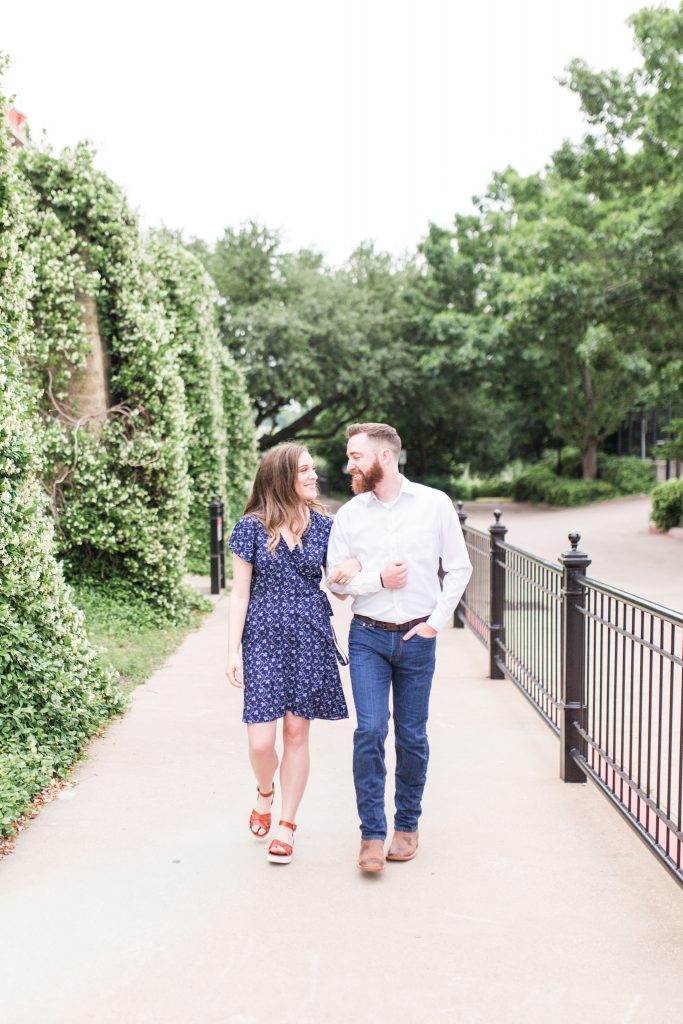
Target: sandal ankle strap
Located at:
point(270, 793)
point(288, 824)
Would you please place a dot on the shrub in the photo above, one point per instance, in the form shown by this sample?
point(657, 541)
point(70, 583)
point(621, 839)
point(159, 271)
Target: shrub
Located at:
point(54, 692)
point(495, 487)
point(185, 292)
point(534, 484)
point(120, 499)
point(566, 462)
point(471, 490)
point(539, 484)
point(131, 502)
point(667, 505)
point(627, 473)
point(579, 492)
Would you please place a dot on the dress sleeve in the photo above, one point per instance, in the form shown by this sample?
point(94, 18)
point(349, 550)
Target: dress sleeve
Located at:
point(243, 539)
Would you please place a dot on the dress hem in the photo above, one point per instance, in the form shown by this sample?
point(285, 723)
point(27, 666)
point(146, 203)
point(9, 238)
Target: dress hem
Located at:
point(309, 718)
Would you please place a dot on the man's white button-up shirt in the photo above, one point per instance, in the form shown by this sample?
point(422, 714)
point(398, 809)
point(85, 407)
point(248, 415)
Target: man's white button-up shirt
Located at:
point(418, 528)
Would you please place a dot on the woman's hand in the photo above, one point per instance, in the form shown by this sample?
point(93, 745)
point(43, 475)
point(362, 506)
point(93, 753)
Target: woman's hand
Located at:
point(234, 671)
point(345, 571)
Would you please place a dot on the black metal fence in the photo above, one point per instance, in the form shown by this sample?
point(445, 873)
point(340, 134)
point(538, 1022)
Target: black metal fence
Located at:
point(474, 608)
point(529, 647)
point(604, 669)
point(634, 712)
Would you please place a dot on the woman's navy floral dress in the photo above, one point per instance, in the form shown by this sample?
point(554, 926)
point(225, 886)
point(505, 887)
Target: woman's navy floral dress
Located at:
point(289, 652)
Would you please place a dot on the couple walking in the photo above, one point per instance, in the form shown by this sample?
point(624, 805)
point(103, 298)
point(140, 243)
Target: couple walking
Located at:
point(383, 549)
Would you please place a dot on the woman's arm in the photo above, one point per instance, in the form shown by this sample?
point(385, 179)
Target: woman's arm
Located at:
point(345, 571)
point(239, 602)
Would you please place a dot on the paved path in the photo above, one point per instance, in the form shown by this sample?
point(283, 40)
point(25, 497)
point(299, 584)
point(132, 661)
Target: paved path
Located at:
point(139, 897)
point(615, 534)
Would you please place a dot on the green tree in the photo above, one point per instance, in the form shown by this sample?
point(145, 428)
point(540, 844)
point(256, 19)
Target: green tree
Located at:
point(559, 296)
point(557, 302)
point(318, 347)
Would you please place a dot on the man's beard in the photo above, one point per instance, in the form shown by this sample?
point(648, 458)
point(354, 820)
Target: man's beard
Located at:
point(361, 483)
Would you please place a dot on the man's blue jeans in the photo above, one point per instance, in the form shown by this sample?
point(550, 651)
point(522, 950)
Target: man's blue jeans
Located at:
point(382, 661)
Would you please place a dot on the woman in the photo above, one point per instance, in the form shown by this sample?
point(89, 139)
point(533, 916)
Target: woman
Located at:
point(281, 618)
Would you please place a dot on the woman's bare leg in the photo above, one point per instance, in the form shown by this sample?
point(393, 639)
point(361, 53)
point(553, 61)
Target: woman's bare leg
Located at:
point(263, 760)
point(293, 769)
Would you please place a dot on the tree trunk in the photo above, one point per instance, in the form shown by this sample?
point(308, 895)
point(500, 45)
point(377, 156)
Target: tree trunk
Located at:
point(89, 387)
point(589, 454)
point(589, 458)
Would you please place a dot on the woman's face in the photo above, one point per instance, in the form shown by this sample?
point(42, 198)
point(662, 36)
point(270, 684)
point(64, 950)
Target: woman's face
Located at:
point(306, 477)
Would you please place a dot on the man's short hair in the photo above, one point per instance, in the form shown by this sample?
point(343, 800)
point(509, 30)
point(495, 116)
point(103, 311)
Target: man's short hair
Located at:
point(385, 435)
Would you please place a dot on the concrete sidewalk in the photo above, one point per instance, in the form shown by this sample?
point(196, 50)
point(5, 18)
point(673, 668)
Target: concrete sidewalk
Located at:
point(140, 897)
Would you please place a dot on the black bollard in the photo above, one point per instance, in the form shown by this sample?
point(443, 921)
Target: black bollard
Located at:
point(221, 542)
point(216, 532)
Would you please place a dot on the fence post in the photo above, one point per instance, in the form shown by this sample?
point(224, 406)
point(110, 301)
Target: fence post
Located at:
point(221, 541)
point(462, 516)
point(497, 607)
point(216, 530)
point(573, 667)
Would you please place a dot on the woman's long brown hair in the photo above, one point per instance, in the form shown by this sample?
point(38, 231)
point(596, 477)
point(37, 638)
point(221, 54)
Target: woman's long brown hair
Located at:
point(273, 499)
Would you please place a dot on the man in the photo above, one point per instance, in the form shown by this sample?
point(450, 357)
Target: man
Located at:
point(398, 530)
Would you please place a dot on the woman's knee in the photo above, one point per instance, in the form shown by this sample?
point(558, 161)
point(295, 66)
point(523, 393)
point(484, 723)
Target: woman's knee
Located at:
point(261, 741)
point(295, 731)
point(260, 748)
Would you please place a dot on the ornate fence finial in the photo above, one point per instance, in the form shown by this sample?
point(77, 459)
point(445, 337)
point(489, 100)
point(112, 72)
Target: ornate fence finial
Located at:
point(576, 551)
point(497, 514)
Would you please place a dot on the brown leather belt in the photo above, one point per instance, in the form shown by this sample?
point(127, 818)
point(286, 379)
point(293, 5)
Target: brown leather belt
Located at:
point(391, 627)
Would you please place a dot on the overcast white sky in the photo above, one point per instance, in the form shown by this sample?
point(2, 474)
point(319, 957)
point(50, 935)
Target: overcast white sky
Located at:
point(332, 121)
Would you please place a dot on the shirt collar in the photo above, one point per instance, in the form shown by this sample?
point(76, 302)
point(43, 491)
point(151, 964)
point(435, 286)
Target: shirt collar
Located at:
point(407, 487)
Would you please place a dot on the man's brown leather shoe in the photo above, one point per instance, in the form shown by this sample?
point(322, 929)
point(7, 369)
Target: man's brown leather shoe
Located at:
point(403, 846)
point(371, 856)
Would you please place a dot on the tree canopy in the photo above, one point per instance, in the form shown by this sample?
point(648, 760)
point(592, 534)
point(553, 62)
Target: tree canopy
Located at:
point(539, 318)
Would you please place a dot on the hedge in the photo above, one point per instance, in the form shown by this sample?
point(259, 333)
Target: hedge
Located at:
point(540, 484)
point(54, 693)
point(667, 505)
point(123, 506)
